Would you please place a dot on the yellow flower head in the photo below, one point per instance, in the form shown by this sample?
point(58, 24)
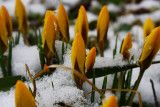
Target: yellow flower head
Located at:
point(110, 102)
point(81, 24)
point(150, 49)
point(127, 44)
point(3, 35)
point(21, 16)
point(148, 27)
point(63, 23)
point(50, 12)
point(23, 97)
point(49, 35)
point(8, 22)
point(91, 56)
point(102, 28)
point(78, 53)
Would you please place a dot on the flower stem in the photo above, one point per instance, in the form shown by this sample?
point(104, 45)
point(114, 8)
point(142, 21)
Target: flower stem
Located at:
point(136, 85)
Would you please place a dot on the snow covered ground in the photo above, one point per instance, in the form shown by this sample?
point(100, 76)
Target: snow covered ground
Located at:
point(64, 89)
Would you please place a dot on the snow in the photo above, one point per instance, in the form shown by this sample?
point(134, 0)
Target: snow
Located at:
point(147, 4)
point(113, 8)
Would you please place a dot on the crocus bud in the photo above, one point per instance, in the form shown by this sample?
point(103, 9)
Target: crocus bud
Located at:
point(148, 27)
point(127, 44)
point(91, 56)
point(21, 16)
point(49, 35)
point(150, 49)
point(81, 24)
point(23, 97)
point(110, 102)
point(78, 53)
point(63, 23)
point(3, 35)
point(7, 19)
point(102, 29)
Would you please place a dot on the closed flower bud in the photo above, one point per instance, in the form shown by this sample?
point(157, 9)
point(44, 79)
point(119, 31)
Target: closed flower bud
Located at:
point(127, 44)
point(81, 24)
point(8, 22)
point(110, 102)
point(102, 29)
point(49, 35)
point(21, 16)
point(23, 97)
point(91, 56)
point(150, 49)
point(3, 35)
point(63, 23)
point(78, 53)
point(148, 27)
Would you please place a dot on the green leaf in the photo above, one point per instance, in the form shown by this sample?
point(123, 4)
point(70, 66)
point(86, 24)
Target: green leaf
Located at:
point(7, 82)
point(124, 27)
point(10, 58)
point(93, 93)
point(2, 62)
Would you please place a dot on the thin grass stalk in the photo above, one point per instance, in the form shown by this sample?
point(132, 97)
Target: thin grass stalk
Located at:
point(93, 81)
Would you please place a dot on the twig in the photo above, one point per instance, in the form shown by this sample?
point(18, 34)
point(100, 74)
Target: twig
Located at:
point(154, 93)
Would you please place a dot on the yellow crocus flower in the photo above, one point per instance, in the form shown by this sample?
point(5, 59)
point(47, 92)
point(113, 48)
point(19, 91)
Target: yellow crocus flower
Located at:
point(49, 35)
point(23, 97)
point(78, 53)
point(102, 29)
point(3, 35)
point(63, 23)
point(150, 49)
point(6, 17)
point(81, 24)
point(90, 60)
point(21, 16)
point(148, 27)
point(127, 44)
point(110, 102)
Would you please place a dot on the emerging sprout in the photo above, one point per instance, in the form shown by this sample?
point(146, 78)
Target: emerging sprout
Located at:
point(91, 56)
point(150, 49)
point(49, 35)
point(110, 102)
point(102, 29)
point(78, 53)
point(127, 44)
point(81, 24)
point(21, 16)
point(63, 23)
point(148, 27)
point(23, 97)
point(7, 19)
point(3, 35)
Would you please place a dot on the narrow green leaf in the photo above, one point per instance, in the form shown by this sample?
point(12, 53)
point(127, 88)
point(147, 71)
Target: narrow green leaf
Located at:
point(115, 82)
point(104, 85)
point(62, 51)
point(56, 54)
point(10, 58)
point(36, 36)
point(93, 93)
point(2, 62)
point(40, 37)
point(7, 82)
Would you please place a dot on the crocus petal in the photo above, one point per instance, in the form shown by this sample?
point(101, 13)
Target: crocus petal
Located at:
point(21, 16)
point(5, 15)
point(49, 35)
point(127, 44)
point(102, 28)
point(91, 56)
point(78, 57)
point(110, 102)
point(63, 23)
point(23, 97)
point(81, 24)
point(148, 27)
point(3, 35)
point(150, 49)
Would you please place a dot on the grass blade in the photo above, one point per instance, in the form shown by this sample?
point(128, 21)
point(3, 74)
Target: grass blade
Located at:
point(93, 94)
point(2, 62)
point(10, 58)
